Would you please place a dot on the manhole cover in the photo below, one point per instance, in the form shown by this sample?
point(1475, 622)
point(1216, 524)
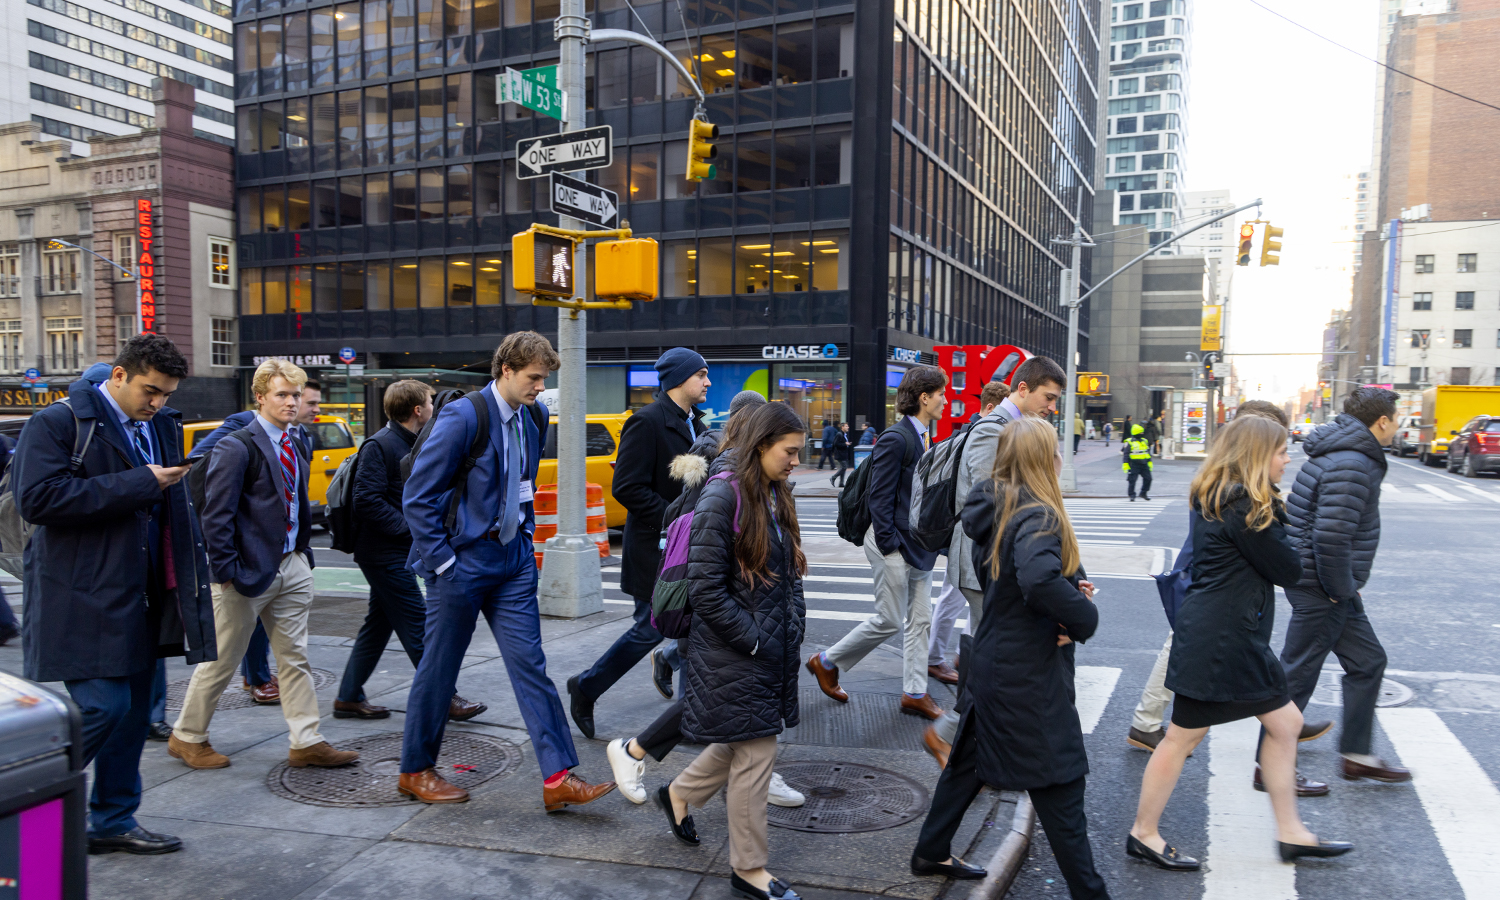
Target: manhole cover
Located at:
point(846, 797)
point(1329, 691)
point(467, 760)
point(235, 696)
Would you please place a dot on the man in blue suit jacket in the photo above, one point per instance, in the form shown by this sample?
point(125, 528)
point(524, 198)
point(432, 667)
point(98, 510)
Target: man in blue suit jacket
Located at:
point(471, 523)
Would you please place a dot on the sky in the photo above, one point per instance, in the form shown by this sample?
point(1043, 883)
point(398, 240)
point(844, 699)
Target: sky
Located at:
point(1276, 113)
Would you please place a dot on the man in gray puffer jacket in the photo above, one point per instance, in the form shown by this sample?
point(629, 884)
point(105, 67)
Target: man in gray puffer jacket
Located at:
point(1334, 512)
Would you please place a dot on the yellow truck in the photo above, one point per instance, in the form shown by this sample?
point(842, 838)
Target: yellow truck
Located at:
point(1445, 409)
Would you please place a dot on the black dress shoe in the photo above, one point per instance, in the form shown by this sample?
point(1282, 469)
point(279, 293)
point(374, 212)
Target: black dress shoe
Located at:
point(1321, 849)
point(1168, 859)
point(582, 708)
point(685, 830)
point(779, 890)
point(137, 840)
point(956, 869)
point(1306, 787)
point(159, 731)
point(661, 675)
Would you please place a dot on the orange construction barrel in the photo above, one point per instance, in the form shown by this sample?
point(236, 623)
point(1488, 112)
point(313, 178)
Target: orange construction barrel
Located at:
point(598, 530)
point(545, 507)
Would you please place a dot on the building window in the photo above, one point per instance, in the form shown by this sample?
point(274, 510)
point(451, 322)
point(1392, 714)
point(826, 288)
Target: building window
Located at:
point(1463, 300)
point(60, 272)
point(1467, 262)
point(10, 271)
point(1458, 375)
point(223, 342)
point(1418, 375)
point(125, 256)
point(220, 269)
point(1463, 337)
point(10, 345)
point(1419, 337)
point(124, 331)
point(1421, 300)
point(1424, 264)
point(64, 344)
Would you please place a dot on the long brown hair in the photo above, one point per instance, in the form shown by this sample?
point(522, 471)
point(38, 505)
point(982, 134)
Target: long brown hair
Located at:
point(1025, 477)
point(1241, 456)
point(752, 545)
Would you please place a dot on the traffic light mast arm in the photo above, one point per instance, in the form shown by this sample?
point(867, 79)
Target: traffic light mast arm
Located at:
point(600, 35)
point(1175, 237)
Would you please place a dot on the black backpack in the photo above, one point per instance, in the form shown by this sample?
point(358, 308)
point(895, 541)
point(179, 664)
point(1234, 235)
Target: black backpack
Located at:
point(343, 526)
point(935, 504)
point(197, 476)
point(15, 532)
point(854, 505)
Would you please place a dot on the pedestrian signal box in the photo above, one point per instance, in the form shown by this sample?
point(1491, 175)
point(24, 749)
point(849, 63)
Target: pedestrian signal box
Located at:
point(625, 270)
point(1093, 383)
point(1268, 247)
point(543, 264)
point(1247, 237)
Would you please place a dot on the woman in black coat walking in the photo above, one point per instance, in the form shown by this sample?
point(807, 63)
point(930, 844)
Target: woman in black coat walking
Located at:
point(1020, 730)
point(745, 569)
point(1222, 668)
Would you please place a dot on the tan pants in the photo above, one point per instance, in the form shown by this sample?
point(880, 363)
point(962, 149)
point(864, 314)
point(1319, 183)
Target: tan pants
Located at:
point(903, 605)
point(283, 608)
point(1152, 710)
point(747, 767)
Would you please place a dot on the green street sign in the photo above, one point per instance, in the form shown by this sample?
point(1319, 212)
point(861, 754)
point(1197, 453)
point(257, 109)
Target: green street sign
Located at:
point(536, 89)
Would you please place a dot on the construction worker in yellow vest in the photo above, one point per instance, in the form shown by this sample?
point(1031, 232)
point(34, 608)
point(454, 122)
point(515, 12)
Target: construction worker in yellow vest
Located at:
point(1137, 462)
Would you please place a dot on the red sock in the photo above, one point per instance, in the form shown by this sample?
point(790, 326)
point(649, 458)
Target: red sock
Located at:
point(556, 780)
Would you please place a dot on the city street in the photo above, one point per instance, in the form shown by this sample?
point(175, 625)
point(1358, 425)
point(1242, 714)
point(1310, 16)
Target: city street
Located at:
point(248, 835)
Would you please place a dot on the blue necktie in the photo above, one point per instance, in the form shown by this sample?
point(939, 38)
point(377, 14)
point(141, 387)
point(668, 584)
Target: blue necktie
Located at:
point(511, 518)
point(142, 445)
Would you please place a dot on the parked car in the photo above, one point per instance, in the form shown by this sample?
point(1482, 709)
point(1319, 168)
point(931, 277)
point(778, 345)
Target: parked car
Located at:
point(332, 444)
point(602, 448)
point(1476, 447)
point(1408, 436)
point(1444, 409)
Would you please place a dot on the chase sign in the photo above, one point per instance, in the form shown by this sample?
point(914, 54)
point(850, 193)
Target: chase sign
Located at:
point(799, 351)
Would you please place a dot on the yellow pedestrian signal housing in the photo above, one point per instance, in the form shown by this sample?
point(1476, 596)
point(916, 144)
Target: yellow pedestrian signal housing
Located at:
point(700, 151)
point(543, 264)
point(1247, 236)
point(1268, 247)
point(1093, 383)
point(625, 270)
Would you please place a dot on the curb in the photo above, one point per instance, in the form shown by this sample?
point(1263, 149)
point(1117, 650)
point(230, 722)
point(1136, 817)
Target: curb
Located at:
point(1006, 863)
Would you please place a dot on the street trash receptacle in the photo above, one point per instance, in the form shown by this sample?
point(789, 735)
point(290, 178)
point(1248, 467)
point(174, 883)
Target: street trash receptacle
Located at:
point(43, 805)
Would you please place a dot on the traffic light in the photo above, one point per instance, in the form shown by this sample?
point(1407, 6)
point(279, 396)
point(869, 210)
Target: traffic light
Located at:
point(1093, 383)
point(1247, 236)
point(625, 269)
point(1268, 247)
point(700, 151)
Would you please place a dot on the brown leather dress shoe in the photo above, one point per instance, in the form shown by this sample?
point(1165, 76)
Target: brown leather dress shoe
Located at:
point(361, 710)
point(938, 747)
point(573, 791)
point(461, 710)
point(268, 694)
point(1353, 771)
point(921, 706)
point(1311, 731)
point(321, 754)
point(430, 787)
point(1306, 787)
point(196, 756)
point(828, 678)
point(944, 673)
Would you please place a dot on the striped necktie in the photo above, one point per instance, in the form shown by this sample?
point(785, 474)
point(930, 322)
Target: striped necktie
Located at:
point(288, 477)
point(142, 444)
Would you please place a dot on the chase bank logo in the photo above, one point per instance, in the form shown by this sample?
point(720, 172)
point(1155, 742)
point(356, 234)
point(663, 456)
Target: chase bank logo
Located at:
point(799, 351)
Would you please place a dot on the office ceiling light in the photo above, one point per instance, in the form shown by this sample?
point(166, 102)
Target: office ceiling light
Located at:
point(724, 73)
point(755, 246)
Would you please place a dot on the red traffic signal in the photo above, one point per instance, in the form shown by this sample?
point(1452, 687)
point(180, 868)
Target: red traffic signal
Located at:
point(1247, 236)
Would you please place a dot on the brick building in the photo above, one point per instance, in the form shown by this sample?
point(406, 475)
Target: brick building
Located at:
point(163, 192)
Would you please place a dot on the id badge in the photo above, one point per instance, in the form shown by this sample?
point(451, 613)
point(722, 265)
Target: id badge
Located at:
point(527, 491)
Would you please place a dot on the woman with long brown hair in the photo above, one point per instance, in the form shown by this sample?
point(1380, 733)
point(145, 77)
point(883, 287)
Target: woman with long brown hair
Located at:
point(745, 589)
point(1019, 729)
point(1222, 668)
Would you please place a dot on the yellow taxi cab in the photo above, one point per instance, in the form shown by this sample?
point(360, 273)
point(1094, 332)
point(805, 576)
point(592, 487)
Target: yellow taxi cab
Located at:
point(602, 439)
point(332, 444)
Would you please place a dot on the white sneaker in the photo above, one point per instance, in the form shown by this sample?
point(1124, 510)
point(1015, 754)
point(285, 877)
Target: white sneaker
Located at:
point(781, 793)
point(628, 771)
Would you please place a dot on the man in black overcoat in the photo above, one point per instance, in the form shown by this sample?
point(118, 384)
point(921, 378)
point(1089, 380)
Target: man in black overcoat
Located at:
point(650, 440)
point(115, 574)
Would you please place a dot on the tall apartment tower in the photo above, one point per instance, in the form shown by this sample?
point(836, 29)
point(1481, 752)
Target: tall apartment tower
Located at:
point(1147, 116)
point(81, 68)
point(1218, 241)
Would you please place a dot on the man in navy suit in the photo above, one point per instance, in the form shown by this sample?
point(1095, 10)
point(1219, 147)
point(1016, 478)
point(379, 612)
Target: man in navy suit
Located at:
point(471, 519)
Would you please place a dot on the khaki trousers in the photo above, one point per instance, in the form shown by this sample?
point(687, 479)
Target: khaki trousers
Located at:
point(746, 766)
point(903, 605)
point(283, 608)
point(1152, 710)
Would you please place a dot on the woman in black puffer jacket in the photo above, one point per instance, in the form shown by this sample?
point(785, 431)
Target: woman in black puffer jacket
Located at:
point(745, 569)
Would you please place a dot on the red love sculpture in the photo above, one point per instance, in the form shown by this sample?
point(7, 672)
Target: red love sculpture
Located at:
point(978, 365)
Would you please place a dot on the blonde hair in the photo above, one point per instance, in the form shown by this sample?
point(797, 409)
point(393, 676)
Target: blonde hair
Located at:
point(260, 384)
point(1026, 461)
point(1241, 455)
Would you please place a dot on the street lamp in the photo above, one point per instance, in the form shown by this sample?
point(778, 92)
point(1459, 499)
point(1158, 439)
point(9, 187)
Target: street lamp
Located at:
point(54, 244)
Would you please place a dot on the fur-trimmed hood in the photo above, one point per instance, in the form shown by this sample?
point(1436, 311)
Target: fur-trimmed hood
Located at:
point(690, 469)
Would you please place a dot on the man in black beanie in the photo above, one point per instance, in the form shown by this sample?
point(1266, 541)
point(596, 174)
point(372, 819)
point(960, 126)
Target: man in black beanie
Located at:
point(651, 439)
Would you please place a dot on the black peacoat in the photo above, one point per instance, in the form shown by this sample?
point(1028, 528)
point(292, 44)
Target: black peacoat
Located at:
point(742, 658)
point(88, 610)
point(1019, 684)
point(644, 485)
point(1221, 645)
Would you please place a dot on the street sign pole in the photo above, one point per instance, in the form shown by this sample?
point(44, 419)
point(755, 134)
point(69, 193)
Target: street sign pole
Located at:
point(1068, 295)
point(570, 584)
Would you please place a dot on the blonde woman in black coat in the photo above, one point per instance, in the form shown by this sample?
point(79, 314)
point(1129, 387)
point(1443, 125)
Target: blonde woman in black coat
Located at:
point(1020, 730)
point(1222, 668)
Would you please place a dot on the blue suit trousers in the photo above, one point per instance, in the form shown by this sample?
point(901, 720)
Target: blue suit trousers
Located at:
point(116, 713)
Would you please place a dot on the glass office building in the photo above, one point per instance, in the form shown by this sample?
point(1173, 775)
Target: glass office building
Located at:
point(890, 176)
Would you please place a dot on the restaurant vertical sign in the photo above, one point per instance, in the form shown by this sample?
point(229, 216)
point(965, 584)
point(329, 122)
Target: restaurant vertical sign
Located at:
point(146, 264)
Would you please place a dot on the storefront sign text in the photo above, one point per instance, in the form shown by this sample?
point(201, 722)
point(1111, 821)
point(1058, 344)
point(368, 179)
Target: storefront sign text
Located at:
point(799, 351)
point(903, 355)
point(28, 399)
point(971, 367)
point(145, 263)
point(306, 362)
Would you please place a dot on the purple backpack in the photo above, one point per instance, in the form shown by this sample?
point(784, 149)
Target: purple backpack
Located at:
point(670, 613)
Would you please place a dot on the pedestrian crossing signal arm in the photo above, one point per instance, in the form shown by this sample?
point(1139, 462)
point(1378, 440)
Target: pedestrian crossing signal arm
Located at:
point(1269, 247)
point(700, 151)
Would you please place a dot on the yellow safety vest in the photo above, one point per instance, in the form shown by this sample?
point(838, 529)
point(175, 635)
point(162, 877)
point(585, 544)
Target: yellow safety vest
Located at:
point(1139, 449)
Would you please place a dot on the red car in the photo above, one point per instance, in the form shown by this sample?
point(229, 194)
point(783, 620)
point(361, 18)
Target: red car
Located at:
point(1476, 448)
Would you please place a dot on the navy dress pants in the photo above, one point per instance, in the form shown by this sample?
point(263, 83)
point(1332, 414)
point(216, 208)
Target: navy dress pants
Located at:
point(257, 665)
point(116, 713)
point(627, 650)
point(396, 605)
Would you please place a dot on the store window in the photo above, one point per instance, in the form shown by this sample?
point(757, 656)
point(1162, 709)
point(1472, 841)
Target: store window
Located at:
point(893, 376)
point(641, 383)
point(814, 390)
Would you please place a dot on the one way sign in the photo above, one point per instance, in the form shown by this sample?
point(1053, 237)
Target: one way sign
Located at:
point(586, 149)
point(581, 200)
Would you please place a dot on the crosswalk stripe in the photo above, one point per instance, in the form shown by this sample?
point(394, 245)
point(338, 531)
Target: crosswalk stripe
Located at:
point(1241, 829)
point(1093, 686)
point(1439, 492)
point(1387, 486)
point(1461, 802)
point(1474, 490)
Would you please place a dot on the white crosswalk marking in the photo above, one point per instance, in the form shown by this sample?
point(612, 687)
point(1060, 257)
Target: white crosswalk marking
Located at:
point(1241, 862)
point(1093, 686)
point(1442, 494)
point(1474, 490)
point(1389, 487)
point(1112, 521)
point(1461, 802)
